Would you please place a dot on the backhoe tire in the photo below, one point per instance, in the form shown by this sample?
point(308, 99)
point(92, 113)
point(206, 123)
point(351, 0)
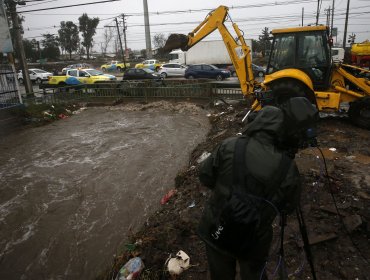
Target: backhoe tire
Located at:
point(359, 112)
point(286, 89)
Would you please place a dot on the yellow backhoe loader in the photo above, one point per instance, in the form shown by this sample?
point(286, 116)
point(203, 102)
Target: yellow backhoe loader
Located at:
point(300, 64)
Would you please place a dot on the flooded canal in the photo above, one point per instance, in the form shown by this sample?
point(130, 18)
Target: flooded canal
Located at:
point(71, 191)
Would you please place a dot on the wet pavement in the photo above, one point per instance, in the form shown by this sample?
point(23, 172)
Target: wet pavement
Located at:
point(72, 191)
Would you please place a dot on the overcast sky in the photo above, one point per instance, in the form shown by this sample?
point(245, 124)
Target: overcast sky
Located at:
point(181, 19)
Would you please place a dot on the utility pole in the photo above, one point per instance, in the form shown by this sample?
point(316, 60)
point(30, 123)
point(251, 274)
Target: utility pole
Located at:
point(345, 27)
point(19, 45)
point(332, 20)
point(317, 12)
point(302, 15)
point(147, 30)
point(124, 33)
point(328, 13)
point(120, 43)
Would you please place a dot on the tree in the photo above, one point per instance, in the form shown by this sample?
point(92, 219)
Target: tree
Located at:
point(30, 49)
point(143, 52)
point(51, 46)
point(264, 40)
point(88, 29)
point(159, 40)
point(256, 46)
point(107, 38)
point(68, 37)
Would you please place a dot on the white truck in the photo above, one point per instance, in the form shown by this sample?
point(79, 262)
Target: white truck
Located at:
point(337, 54)
point(208, 52)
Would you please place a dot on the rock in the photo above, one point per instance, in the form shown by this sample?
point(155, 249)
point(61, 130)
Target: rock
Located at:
point(318, 238)
point(330, 209)
point(352, 222)
point(363, 195)
point(343, 273)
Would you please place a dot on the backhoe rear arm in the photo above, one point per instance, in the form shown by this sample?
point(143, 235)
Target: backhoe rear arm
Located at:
point(240, 54)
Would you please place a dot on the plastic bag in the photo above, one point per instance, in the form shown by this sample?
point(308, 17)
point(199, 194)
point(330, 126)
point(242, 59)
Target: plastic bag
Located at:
point(131, 270)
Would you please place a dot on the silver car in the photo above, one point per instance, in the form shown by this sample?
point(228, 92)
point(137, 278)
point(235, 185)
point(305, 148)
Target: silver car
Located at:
point(172, 70)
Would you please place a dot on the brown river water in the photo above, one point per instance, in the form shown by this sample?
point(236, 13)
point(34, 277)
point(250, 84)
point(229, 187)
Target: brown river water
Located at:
point(71, 191)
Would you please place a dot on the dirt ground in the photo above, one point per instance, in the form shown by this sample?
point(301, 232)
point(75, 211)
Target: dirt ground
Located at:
point(338, 253)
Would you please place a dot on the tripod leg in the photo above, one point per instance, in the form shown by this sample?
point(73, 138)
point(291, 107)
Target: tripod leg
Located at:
point(306, 244)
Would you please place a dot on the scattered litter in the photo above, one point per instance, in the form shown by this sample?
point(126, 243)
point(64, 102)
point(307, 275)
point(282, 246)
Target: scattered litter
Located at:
point(62, 116)
point(131, 270)
point(220, 134)
point(332, 149)
point(203, 157)
point(350, 157)
point(177, 265)
point(130, 247)
point(167, 196)
point(209, 115)
point(79, 110)
point(192, 205)
point(47, 113)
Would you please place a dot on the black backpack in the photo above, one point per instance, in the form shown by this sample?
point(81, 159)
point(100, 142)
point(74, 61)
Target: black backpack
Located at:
point(235, 228)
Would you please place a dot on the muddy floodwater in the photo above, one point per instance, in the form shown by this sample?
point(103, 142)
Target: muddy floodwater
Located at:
point(71, 191)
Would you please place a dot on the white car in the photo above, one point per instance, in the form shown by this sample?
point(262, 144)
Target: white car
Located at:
point(172, 70)
point(36, 75)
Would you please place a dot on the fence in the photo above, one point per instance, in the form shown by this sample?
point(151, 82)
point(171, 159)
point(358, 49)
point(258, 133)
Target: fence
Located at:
point(9, 94)
point(146, 91)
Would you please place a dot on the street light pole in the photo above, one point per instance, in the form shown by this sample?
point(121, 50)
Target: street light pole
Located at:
point(19, 45)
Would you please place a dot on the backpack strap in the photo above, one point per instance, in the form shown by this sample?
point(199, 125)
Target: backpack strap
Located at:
point(239, 162)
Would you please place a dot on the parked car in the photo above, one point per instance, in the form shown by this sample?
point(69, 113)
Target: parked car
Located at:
point(172, 69)
point(76, 66)
point(151, 64)
point(81, 76)
point(140, 74)
point(258, 71)
point(114, 65)
point(36, 75)
point(206, 71)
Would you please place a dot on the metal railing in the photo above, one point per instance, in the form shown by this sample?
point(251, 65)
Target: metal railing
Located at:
point(146, 91)
point(9, 93)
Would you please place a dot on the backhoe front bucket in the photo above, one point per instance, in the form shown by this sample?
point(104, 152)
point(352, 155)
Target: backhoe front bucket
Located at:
point(176, 41)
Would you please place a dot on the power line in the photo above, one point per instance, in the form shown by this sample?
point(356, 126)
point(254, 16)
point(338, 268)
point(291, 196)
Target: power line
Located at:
point(43, 2)
point(69, 6)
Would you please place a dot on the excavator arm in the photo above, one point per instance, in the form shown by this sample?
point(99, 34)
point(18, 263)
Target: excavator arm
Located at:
point(238, 50)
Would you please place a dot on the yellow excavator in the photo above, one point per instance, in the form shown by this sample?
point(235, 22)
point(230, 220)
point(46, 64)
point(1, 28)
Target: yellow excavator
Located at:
point(300, 64)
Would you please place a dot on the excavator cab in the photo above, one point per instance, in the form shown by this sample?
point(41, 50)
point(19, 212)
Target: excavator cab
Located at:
point(303, 48)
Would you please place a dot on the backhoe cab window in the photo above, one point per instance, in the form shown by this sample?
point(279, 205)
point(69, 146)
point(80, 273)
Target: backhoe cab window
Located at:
point(283, 53)
point(311, 51)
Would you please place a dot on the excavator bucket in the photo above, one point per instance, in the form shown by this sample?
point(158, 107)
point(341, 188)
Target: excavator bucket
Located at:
point(176, 41)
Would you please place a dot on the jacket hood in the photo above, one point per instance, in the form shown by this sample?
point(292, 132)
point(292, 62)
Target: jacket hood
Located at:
point(269, 119)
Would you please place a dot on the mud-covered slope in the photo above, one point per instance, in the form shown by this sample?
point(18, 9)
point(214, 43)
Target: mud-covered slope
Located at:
point(347, 153)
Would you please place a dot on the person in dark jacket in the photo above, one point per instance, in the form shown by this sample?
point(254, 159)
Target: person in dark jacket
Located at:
point(273, 132)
